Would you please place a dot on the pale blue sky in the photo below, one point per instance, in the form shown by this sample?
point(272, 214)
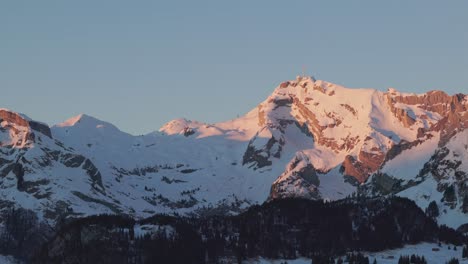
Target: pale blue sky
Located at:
point(139, 64)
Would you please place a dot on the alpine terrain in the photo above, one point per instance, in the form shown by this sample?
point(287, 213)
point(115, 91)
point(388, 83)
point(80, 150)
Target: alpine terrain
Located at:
point(309, 139)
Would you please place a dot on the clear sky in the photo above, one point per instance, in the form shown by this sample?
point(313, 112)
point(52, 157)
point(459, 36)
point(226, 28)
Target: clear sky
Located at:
point(139, 64)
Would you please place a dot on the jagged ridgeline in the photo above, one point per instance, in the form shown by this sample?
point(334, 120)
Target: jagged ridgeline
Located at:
point(283, 229)
point(309, 139)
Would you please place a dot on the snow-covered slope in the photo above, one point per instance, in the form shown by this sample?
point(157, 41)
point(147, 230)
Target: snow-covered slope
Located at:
point(309, 138)
point(433, 253)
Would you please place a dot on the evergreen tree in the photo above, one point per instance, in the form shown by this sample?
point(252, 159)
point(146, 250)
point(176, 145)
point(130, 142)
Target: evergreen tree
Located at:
point(404, 260)
point(449, 194)
point(432, 210)
point(453, 261)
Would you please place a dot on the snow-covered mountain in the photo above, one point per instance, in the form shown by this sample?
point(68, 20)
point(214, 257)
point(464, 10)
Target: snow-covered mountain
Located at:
point(309, 138)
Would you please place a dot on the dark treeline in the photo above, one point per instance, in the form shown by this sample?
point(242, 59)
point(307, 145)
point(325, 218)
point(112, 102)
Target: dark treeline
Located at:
point(413, 259)
point(287, 229)
point(280, 229)
point(21, 233)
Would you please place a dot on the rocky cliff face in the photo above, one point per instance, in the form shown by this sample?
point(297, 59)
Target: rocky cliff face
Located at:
point(298, 180)
point(38, 172)
point(13, 120)
point(452, 111)
point(309, 138)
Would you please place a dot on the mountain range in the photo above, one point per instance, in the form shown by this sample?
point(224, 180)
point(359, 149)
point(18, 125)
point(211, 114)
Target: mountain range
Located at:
point(310, 138)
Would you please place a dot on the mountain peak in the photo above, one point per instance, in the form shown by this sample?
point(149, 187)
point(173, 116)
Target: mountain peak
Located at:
point(9, 112)
point(179, 126)
point(84, 122)
point(22, 120)
point(76, 120)
point(305, 78)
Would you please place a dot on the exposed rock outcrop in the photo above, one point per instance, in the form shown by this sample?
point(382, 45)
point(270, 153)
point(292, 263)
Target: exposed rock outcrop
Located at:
point(452, 109)
point(260, 155)
point(188, 131)
point(15, 118)
point(299, 180)
point(364, 165)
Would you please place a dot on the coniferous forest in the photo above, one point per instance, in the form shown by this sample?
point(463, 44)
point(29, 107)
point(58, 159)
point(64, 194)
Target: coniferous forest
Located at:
point(286, 229)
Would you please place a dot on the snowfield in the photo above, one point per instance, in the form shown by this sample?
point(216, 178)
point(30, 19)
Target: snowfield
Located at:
point(391, 256)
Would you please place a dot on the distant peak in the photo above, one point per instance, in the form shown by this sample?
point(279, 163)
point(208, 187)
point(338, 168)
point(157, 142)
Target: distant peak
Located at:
point(84, 120)
point(11, 112)
point(74, 120)
point(392, 90)
point(24, 121)
point(300, 80)
point(305, 78)
point(179, 126)
point(178, 122)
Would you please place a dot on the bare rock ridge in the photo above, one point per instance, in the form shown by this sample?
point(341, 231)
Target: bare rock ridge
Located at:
point(452, 109)
point(310, 138)
point(14, 118)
